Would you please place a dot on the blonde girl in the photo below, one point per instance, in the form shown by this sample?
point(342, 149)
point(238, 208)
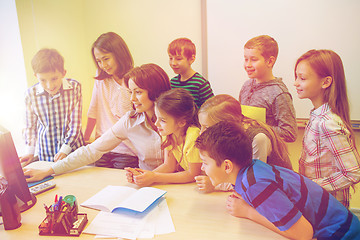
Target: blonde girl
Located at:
point(111, 98)
point(176, 122)
point(329, 156)
point(267, 146)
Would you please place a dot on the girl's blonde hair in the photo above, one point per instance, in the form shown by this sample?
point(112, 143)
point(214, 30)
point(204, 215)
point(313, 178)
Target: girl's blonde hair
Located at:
point(224, 107)
point(327, 63)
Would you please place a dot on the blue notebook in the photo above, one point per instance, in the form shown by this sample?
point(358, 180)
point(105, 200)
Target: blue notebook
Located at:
point(31, 184)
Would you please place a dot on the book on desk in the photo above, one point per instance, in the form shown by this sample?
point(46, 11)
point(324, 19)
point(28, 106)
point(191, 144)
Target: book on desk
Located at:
point(117, 198)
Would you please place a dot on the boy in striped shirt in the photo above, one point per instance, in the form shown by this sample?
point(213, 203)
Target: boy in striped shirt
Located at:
point(275, 197)
point(53, 110)
point(181, 55)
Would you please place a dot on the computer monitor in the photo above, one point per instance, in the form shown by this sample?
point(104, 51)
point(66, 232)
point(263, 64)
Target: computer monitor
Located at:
point(11, 169)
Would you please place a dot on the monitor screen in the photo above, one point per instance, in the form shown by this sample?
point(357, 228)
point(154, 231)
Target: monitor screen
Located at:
point(11, 170)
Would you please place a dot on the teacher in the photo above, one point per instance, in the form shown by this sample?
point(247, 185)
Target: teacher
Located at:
point(145, 83)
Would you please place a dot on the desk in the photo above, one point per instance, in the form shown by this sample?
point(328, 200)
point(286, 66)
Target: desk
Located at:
point(195, 215)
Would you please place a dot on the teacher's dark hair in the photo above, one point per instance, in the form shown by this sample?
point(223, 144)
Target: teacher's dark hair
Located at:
point(150, 77)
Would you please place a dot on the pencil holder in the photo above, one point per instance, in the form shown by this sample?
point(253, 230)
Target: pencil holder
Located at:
point(62, 218)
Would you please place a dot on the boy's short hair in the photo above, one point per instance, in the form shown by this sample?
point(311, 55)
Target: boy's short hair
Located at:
point(226, 140)
point(265, 44)
point(182, 45)
point(47, 60)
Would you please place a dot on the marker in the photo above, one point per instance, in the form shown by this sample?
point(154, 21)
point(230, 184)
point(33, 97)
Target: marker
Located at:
point(60, 200)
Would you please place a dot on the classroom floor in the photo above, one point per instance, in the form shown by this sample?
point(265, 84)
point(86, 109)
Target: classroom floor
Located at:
point(295, 151)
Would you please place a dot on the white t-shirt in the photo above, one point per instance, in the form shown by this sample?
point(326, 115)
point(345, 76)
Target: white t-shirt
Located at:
point(109, 102)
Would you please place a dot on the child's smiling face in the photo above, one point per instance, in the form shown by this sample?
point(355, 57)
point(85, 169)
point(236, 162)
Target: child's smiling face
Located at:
point(106, 61)
point(216, 173)
point(51, 81)
point(179, 63)
point(309, 85)
point(167, 124)
point(256, 66)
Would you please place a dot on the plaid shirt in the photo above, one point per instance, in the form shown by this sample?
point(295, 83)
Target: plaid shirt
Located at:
point(328, 155)
point(53, 122)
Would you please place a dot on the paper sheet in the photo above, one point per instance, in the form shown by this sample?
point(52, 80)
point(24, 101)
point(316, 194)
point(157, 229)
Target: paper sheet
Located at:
point(156, 221)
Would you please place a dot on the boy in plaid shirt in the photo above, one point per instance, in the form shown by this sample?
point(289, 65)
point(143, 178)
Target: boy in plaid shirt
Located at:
point(53, 110)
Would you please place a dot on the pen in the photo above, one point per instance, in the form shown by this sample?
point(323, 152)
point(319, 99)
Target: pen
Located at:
point(57, 205)
point(60, 200)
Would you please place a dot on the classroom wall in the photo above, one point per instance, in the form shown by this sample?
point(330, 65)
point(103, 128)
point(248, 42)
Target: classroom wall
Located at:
point(71, 26)
point(297, 26)
point(12, 69)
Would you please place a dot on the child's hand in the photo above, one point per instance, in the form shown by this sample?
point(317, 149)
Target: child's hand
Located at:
point(237, 206)
point(37, 174)
point(26, 159)
point(145, 178)
point(130, 173)
point(59, 156)
point(204, 184)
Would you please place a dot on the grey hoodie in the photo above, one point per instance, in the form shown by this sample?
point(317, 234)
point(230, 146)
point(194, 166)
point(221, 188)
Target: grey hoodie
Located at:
point(274, 96)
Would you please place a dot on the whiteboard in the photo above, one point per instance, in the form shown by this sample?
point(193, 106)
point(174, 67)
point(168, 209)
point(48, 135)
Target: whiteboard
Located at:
point(297, 26)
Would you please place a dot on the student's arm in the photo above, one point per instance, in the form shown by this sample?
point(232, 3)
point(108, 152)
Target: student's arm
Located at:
point(345, 156)
point(92, 111)
point(284, 113)
point(91, 152)
point(204, 184)
point(205, 92)
point(37, 174)
point(91, 122)
point(80, 157)
point(238, 207)
point(261, 147)
point(145, 178)
point(74, 125)
point(166, 173)
point(59, 156)
point(30, 130)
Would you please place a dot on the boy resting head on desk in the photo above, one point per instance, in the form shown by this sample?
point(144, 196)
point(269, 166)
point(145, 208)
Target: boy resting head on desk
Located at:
point(275, 197)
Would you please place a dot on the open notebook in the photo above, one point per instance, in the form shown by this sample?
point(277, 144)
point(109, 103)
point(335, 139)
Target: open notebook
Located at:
point(117, 198)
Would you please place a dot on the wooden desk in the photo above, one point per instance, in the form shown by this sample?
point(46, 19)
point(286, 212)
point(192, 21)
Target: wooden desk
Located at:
point(195, 215)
